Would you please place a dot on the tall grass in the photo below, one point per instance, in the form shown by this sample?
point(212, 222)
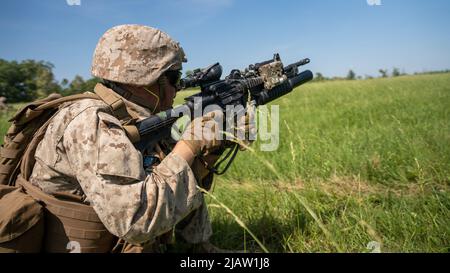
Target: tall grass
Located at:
point(359, 161)
point(382, 130)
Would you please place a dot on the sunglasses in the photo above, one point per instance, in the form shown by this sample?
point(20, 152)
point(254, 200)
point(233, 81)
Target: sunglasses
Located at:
point(174, 77)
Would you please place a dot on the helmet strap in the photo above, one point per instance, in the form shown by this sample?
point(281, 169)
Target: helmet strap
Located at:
point(154, 95)
point(162, 82)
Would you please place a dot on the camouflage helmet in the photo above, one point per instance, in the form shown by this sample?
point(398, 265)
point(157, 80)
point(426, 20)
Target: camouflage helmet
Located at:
point(135, 54)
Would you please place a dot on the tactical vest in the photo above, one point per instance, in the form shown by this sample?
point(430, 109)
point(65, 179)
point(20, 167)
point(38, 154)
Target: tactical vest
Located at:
point(33, 221)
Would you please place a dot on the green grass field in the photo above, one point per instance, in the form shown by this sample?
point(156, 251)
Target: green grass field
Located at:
point(358, 161)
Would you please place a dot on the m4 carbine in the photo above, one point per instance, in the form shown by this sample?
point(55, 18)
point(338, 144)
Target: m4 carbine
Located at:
point(259, 84)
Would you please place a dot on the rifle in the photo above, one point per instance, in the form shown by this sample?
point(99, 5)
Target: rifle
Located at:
point(259, 84)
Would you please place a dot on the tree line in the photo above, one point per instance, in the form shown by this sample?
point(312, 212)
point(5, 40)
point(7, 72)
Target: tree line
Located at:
point(383, 73)
point(29, 80)
point(351, 75)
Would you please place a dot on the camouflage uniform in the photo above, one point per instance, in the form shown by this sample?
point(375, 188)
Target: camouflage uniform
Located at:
point(85, 151)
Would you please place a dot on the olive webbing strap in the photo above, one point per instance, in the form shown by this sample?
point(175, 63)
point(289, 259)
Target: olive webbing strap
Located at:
point(119, 110)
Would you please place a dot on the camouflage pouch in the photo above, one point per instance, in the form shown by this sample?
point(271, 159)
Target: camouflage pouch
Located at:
point(21, 221)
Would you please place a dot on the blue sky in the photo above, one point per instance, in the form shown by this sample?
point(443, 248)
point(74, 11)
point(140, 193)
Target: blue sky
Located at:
point(413, 35)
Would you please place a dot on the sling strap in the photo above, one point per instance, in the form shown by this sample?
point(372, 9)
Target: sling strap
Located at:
point(120, 111)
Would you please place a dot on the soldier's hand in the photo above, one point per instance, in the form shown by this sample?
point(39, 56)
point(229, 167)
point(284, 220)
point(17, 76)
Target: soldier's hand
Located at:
point(204, 135)
point(246, 128)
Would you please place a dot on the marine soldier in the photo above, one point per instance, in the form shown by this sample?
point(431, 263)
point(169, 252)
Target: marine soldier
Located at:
point(101, 193)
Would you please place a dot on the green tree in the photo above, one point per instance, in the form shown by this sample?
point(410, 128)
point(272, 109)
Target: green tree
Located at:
point(27, 80)
point(351, 75)
point(42, 76)
point(64, 83)
point(319, 77)
point(383, 72)
point(79, 85)
point(13, 83)
point(396, 72)
point(90, 84)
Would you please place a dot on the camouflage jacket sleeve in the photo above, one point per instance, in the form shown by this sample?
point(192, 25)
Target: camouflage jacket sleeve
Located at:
point(132, 204)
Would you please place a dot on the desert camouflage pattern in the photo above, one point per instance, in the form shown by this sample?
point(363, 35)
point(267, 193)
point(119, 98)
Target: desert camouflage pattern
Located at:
point(135, 54)
point(85, 151)
point(272, 74)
